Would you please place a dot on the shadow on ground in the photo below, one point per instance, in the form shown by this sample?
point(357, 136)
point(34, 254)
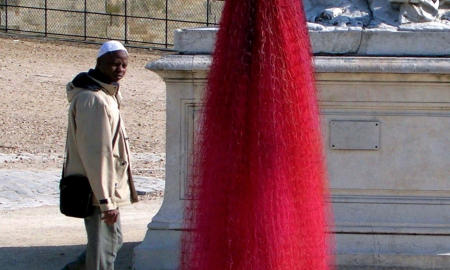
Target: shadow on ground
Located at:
point(54, 258)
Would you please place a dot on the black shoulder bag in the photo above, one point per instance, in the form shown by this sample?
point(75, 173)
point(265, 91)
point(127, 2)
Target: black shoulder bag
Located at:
point(75, 199)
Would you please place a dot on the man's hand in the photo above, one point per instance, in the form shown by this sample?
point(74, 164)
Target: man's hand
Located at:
point(110, 216)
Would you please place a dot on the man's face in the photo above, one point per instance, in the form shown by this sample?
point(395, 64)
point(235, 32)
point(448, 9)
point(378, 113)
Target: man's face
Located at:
point(113, 65)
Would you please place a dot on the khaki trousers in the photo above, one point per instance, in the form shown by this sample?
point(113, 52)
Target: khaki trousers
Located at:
point(104, 241)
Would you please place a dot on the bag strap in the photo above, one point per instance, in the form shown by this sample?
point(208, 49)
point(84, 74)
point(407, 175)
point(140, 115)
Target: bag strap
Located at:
point(66, 153)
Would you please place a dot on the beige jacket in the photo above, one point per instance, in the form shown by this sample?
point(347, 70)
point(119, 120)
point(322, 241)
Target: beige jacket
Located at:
point(93, 121)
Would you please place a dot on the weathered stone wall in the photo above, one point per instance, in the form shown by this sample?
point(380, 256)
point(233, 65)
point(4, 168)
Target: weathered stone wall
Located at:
point(384, 123)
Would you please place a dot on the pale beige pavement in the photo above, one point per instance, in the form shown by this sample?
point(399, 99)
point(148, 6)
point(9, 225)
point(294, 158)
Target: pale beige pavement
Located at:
point(41, 238)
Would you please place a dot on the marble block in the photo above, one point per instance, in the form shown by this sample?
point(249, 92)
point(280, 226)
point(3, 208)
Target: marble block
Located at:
point(390, 202)
point(426, 40)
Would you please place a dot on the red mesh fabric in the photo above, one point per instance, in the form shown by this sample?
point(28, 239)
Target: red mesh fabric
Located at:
point(258, 174)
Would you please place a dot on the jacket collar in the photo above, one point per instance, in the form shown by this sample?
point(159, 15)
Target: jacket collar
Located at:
point(110, 88)
point(85, 81)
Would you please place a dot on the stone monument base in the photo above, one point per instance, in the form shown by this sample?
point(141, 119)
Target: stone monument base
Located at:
point(385, 124)
point(159, 250)
point(342, 41)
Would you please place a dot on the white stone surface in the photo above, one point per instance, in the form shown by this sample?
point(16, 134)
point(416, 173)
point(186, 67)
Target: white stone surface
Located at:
point(408, 40)
point(338, 12)
point(405, 43)
point(418, 11)
point(185, 78)
point(160, 250)
point(373, 12)
point(336, 40)
point(354, 135)
point(358, 27)
point(177, 68)
point(200, 40)
point(390, 205)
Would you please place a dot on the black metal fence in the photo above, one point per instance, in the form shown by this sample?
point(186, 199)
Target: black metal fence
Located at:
point(135, 22)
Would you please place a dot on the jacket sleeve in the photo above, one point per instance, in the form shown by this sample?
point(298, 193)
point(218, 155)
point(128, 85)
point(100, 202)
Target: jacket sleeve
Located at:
point(94, 142)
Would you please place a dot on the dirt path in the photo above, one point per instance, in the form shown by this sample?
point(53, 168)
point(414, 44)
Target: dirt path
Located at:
point(43, 239)
point(33, 106)
point(33, 120)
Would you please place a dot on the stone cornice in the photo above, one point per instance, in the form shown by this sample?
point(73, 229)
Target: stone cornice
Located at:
point(429, 40)
point(323, 64)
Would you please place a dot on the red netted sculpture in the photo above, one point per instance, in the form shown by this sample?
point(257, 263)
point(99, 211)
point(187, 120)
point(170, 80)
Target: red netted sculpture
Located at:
point(258, 175)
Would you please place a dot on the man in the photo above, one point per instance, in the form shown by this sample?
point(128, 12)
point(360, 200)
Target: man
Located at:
point(97, 147)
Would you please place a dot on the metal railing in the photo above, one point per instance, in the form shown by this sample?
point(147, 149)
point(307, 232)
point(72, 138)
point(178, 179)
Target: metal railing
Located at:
point(135, 22)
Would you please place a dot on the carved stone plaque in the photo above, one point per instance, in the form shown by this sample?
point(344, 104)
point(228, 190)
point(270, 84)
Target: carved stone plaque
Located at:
point(354, 135)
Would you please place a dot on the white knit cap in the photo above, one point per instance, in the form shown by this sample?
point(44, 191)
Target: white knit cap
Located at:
point(111, 46)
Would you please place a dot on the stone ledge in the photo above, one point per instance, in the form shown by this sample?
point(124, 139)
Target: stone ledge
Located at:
point(340, 41)
point(180, 62)
point(392, 262)
point(323, 64)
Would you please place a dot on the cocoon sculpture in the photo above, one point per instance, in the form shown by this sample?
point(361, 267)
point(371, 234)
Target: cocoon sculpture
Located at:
point(258, 175)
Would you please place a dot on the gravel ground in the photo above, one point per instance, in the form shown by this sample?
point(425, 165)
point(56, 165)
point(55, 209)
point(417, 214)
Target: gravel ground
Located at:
point(33, 120)
point(33, 105)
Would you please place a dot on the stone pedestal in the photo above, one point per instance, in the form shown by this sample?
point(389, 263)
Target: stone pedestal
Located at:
point(385, 122)
point(342, 41)
point(185, 78)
